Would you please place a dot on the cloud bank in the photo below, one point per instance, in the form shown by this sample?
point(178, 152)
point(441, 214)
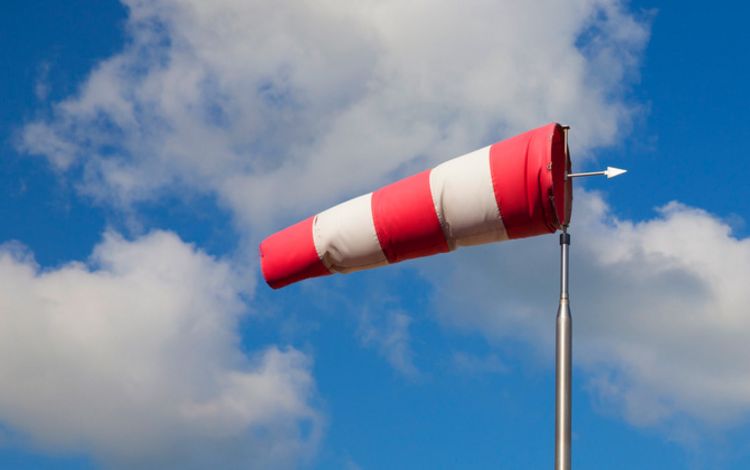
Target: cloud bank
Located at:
point(659, 308)
point(309, 102)
point(134, 358)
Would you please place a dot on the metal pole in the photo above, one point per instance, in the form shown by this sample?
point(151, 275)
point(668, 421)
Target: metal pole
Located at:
point(563, 363)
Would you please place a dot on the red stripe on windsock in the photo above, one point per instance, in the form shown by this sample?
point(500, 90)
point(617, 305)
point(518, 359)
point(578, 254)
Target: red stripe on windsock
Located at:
point(522, 180)
point(405, 219)
point(289, 255)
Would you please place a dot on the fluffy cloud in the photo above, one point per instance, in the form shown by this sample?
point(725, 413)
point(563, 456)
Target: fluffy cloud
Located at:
point(308, 102)
point(134, 357)
point(659, 308)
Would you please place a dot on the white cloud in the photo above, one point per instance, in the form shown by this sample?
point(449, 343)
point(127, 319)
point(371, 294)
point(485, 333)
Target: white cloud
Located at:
point(659, 308)
point(134, 358)
point(304, 103)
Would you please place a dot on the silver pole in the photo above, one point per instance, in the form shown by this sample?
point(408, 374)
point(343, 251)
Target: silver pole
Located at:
point(563, 363)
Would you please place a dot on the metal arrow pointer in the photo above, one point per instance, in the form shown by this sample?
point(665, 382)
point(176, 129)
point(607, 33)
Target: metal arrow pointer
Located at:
point(610, 172)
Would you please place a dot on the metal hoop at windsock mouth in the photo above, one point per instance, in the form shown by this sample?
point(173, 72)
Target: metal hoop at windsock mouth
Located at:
point(515, 188)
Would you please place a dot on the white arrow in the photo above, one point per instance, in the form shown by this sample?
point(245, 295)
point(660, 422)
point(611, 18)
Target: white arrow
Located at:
point(610, 172)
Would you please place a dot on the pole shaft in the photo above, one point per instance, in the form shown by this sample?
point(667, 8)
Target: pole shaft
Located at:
point(563, 376)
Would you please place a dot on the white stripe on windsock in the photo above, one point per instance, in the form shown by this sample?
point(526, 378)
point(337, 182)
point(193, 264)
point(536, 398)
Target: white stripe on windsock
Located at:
point(465, 200)
point(345, 236)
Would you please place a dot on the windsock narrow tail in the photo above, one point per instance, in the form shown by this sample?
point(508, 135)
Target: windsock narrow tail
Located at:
point(512, 189)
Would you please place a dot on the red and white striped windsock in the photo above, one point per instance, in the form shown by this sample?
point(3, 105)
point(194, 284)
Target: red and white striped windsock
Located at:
point(512, 189)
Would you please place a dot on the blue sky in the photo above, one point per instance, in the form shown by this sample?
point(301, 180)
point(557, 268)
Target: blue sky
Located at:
point(147, 148)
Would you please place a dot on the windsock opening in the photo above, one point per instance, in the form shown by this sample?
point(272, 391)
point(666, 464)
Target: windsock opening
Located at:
point(529, 178)
point(515, 188)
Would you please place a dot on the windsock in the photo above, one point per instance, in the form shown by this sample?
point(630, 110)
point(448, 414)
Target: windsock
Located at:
point(515, 188)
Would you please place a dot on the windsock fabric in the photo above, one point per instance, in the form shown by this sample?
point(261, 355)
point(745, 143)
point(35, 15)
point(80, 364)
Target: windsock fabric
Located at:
point(512, 189)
